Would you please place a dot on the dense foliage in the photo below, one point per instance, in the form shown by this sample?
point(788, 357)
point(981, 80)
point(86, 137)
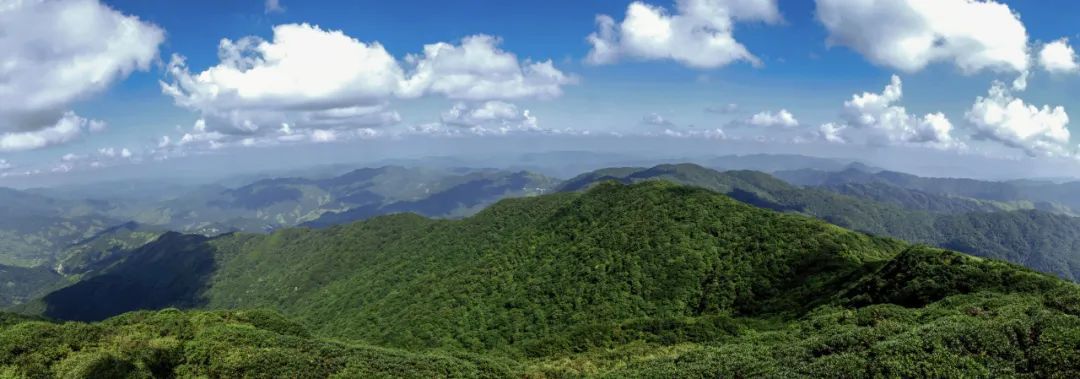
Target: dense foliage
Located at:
point(230, 344)
point(646, 280)
point(1044, 241)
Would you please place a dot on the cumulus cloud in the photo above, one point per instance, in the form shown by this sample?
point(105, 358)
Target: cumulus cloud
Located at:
point(67, 128)
point(715, 134)
point(46, 64)
point(478, 70)
point(781, 118)
point(1058, 57)
point(699, 33)
point(491, 117)
point(322, 85)
point(656, 119)
point(1001, 117)
point(5, 165)
point(112, 152)
point(910, 34)
point(103, 157)
point(877, 117)
point(832, 132)
point(304, 76)
point(488, 118)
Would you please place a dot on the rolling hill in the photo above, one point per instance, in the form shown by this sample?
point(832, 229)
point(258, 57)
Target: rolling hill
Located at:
point(1040, 240)
point(651, 279)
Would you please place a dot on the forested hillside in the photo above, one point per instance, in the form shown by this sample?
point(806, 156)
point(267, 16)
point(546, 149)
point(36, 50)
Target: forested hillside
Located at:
point(619, 281)
point(1040, 240)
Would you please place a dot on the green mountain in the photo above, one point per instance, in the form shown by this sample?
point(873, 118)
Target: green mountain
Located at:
point(1040, 240)
point(647, 280)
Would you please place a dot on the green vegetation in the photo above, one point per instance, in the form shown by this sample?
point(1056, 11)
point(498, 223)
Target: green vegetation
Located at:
point(1040, 240)
point(647, 280)
point(230, 344)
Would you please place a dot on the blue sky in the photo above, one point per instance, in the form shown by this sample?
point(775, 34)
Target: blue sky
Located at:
point(804, 67)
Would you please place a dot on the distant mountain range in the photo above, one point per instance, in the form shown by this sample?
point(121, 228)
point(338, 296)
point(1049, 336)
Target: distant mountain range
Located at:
point(1044, 195)
point(274, 203)
point(601, 280)
point(34, 228)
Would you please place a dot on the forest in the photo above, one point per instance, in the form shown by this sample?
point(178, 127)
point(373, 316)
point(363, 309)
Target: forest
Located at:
point(643, 280)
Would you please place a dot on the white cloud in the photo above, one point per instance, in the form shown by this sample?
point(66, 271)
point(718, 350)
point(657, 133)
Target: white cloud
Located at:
point(716, 133)
point(832, 132)
point(5, 165)
point(68, 128)
point(781, 118)
point(104, 157)
point(910, 34)
point(1059, 57)
point(656, 119)
point(491, 116)
point(112, 152)
point(877, 118)
point(309, 83)
point(1006, 119)
point(699, 34)
point(273, 6)
point(478, 70)
point(46, 64)
point(305, 73)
